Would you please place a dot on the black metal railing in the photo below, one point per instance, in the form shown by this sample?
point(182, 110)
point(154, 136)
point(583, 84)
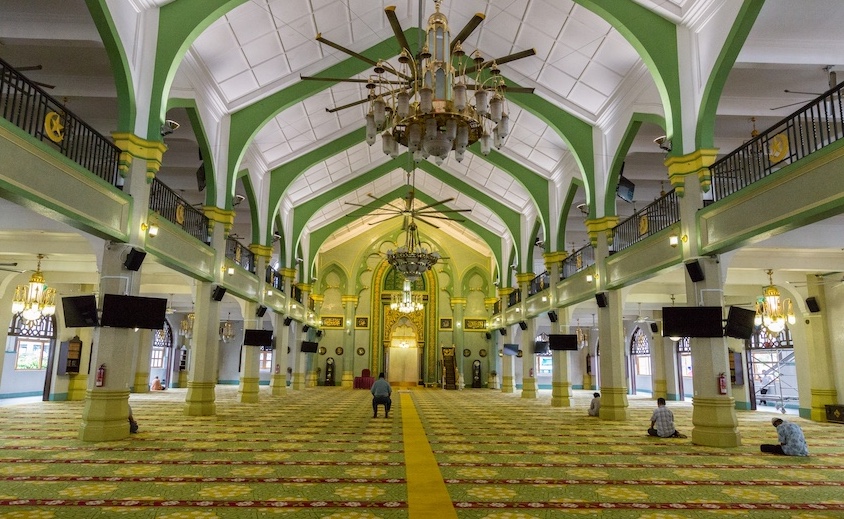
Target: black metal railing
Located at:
point(577, 261)
point(810, 128)
point(240, 254)
point(661, 213)
point(296, 293)
point(496, 307)
point(515, 297)
point(27, 106)
point(539, 283)
point(274, 279)
point(177, 210)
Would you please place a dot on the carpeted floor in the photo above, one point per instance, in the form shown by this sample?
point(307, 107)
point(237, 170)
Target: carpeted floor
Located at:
point(319, 453)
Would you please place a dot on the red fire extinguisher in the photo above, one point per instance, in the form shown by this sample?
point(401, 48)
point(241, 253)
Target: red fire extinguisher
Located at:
point(100, 381)
point(722, 384)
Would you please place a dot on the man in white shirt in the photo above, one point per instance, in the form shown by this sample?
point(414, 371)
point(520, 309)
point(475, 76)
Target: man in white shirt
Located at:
point(381, 392)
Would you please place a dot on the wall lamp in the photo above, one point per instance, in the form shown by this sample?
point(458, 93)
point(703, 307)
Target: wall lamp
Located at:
point(589, 278)
point(229, 270)
point(151, 229)
point(675, 240)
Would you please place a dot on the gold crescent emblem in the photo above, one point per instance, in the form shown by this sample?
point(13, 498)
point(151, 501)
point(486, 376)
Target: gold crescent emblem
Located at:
point(778, 148)
point(180, 214)
point(53, 127)
point(643, 225)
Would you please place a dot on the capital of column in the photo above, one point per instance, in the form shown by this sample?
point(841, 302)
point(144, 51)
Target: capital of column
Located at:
point(287, 273)
point(131, 147)
point(318, 298)
point(525, 277)
point(505, 292)
point(456, 301)
point(552, 258)
point(216, 215)
point(305, 287)
point(263, 251)
point(596, 226)
point(695, 163)
point(346, 300)
point(489, 302)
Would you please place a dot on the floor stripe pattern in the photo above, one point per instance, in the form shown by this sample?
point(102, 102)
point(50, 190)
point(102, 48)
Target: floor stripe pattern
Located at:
point(319, 453)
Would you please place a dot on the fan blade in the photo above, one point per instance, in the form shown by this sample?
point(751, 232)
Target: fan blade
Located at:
point(354, 54)
point(789, 104)
point(397, 208)
point(352, 80)
point(502, 60)
point(816, 94)
point(467, 30)
point(349, 105)
point(435, 211)
point(423, 220)
point(28, 68)
point(390, 11)
point(440, 217)
point(435, 203)
point(382, 221)
point(516, 90)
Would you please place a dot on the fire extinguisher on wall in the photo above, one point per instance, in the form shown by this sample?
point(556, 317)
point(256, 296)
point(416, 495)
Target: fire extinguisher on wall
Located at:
point(722, 384)
point(100, 381)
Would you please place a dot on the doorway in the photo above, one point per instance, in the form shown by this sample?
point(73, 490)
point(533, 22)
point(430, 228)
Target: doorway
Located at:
point(403, 355)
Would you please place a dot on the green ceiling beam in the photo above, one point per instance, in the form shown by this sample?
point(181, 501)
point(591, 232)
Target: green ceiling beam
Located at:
point(198, 128)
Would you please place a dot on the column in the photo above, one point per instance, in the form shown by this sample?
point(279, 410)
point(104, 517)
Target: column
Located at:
point(508, 374)
point(458, 307)
point(819, 349)
point(350, 304)
point(278, 381)
point(659, 350)
point(106, 411)
point(528, 338)
point(142, 360)
point(560, 378)
point(250, 365)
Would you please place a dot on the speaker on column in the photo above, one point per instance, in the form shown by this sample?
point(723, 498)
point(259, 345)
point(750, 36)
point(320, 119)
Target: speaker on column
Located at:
point(306, 328)
point(319, 333)
point(603, 299)
point(523, 325)
point(488, 336)
point(134, 258)
point(812, 305)
point(218, 293)
point(654, 328)
point(552, 315)
point(287, 321)
point(261, 311)
point(695, 270)
point(502, 331)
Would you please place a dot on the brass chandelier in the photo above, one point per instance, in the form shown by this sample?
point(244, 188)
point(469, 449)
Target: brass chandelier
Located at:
point(227, 330)
point(412, 260)
point(773, 311)
point(407, 302)
point(34, 300)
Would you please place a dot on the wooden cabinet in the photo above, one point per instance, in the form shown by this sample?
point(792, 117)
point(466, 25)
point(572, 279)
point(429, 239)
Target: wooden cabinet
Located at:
point(736, 371)
point(70, 355)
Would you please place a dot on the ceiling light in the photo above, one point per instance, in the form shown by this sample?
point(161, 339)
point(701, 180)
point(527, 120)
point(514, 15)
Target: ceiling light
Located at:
point(407, 302)
point(772, 311)
point(412, 260)
point(34, 300)
point(226, 330)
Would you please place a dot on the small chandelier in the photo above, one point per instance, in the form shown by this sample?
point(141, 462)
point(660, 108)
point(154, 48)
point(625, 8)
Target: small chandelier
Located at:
point(412, 260)
point(582, 335)
point(34, 300)
point(432, 115)
point(407, 302)
point(186, 326)
point(226, 330)
point(772, 311)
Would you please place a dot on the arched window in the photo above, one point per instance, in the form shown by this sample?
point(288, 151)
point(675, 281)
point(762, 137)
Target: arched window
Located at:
point(32, 341)
point(161, 343)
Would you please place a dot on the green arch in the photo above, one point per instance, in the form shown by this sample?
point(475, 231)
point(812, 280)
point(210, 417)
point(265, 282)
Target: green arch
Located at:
point(627, 138)
point(202, 141)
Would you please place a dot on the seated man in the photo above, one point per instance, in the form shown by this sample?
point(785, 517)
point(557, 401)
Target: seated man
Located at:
point(157, 385)
point(791, 439)
point(662, 422)
point(595, 405)
point(381, 392)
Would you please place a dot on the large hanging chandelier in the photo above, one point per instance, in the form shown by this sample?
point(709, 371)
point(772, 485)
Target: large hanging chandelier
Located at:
point(412, 260)
point(186, 326)
point(772, 311)
point(433, 114)
point(407, 302)
point(227, 330)
point(34, 300)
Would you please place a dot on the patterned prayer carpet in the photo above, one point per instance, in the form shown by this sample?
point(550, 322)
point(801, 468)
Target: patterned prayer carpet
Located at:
point(318, 453)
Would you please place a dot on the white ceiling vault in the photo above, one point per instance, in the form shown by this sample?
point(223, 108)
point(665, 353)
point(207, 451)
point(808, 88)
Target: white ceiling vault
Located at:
point(583, 66)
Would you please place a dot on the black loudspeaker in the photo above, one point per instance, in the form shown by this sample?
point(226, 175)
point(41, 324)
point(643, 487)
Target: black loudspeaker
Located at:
point(502, 331)
point(261, 311)
point(523, 325)
point(134, 258)
point(552, 315)
point(306, 328)
point(287, 321)
point(602, 299)
point(218, 293)
point(319, 333)
point(654, 328)
point(488, 336)
point(812, 305)
point(695, 271)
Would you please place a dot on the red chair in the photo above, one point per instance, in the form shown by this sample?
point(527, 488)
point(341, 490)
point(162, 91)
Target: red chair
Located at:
point(364, 381)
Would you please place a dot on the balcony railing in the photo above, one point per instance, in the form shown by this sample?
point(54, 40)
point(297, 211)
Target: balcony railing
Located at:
point(661, 213)
point(240, 254)
point(296, 293)
point(577, 261)
point(274, 279)
point(815, 125)
point(514, 298)
point(177, 210)
point(28, 107)
point(496, 307)
point(539, 283)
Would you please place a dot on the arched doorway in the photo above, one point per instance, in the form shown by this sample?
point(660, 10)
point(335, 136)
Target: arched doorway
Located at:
point(403, 354)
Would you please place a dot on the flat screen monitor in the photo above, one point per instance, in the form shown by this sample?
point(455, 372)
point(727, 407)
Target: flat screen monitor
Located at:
point(309, 347)
point(133, 312)
point(740, 323)
point(257, 337)
point(80, 311)
point(511, 349)
point(692, 321)
point(625, 189)
point(540, 347)
point(562, 342)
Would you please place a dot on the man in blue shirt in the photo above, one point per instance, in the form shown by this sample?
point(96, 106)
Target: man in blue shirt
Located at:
point(381, 392)
point(792, 441)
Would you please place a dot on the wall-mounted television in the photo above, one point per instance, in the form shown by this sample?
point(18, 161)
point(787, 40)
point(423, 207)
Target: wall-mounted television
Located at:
point(121, 311)
point(80, 311)
point(562, 342)
point(740, 323)
point(511, 349)
point(625, 189)
point(692, 321)
point(253, 337)
point(309, 347)
point(540, 347)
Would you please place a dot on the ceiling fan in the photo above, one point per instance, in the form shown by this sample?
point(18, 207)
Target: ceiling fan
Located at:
point(832, 81)
point(412, 82)
point(9, 267)
point(409, 210)
point(30, 68)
